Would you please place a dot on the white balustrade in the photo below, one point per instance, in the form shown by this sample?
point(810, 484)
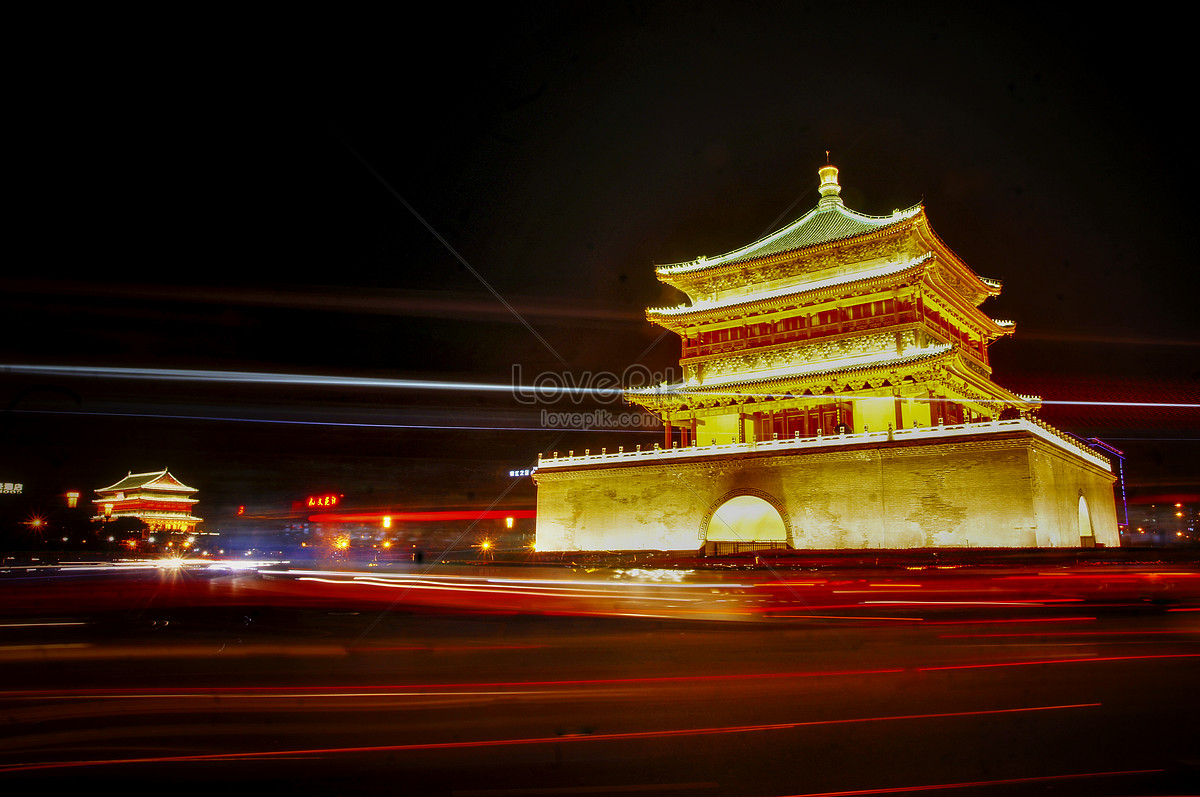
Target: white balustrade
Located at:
point(797, 443)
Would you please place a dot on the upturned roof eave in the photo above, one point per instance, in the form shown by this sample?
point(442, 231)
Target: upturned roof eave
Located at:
point(681, 390)
point(902, 271)
point(169, 498)
point(969, 310)
point(959, 366)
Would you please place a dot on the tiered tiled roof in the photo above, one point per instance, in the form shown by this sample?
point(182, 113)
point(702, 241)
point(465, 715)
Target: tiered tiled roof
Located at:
point(808, 263)
point(155, 480)
point(829, 221)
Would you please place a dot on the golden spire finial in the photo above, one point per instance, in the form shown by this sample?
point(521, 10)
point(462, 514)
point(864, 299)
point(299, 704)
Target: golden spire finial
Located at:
point(829, 187)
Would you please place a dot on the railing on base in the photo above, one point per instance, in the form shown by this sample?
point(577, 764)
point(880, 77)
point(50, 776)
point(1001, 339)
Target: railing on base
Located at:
point(1033, 425)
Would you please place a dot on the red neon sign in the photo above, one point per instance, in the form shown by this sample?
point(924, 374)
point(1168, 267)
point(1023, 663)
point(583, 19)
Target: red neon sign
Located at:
point(409, 517)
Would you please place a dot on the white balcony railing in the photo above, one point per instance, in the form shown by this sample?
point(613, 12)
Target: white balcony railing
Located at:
point(922, 433)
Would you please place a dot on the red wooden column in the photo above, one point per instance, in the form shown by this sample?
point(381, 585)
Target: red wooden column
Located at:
point(936, 411)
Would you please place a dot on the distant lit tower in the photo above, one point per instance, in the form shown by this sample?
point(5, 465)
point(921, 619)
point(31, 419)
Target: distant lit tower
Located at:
point(158, 499)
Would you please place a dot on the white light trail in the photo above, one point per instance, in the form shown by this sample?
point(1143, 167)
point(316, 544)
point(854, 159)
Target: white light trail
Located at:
point(264, 378)
point(544, 391)
point(297, 422)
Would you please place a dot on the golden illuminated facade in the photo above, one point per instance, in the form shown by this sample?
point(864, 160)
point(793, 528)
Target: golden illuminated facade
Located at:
point(158, 499)
point(838, 322)
point(836, 393)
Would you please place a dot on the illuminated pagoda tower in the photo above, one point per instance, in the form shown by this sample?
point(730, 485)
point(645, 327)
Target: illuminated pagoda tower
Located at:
point(836, 393)
point(158, 499)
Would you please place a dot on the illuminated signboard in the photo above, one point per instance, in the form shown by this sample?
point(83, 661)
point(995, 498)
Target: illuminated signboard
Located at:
point(9, 487)
point(519, 473)
point(324, 500)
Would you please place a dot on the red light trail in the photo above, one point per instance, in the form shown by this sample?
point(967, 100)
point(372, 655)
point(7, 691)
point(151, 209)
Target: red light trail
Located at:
point(598, 737)
point(344, 691)
point(1087, 659)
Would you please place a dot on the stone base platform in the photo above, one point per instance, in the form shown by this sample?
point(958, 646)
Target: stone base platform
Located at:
point(1016, 483)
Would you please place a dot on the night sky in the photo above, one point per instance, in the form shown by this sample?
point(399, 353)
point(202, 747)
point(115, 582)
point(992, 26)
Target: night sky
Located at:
point(350, 196)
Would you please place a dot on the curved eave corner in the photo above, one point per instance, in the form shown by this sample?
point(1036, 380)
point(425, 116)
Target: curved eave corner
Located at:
point(1004, 326)
point(966, 370)
point(990, 285)
point(649, 397)
point(1034, 402)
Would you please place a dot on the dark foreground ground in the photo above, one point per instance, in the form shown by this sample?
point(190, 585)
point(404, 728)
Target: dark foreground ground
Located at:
point(1066, 680)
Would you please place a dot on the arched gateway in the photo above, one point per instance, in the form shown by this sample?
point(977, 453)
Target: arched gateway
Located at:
point(1087, 534)
point(747, 520)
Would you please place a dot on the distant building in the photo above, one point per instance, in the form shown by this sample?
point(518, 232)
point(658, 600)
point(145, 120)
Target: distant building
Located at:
point(1162, 521)
point(836, 393)
point(158, 499)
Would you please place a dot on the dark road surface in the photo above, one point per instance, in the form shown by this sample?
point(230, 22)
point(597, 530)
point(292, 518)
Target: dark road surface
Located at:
point(748, 684)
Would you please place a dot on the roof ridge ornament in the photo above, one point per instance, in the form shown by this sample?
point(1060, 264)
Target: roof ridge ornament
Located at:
point(830, 189)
